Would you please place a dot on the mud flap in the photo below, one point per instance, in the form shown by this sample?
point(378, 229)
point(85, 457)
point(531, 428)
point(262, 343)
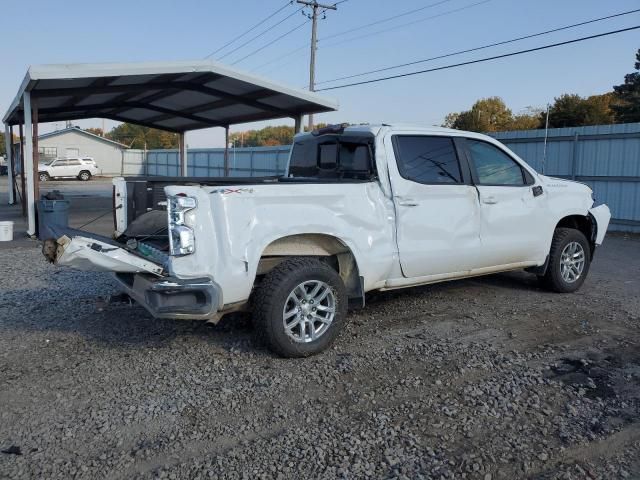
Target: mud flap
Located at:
point(87, 253)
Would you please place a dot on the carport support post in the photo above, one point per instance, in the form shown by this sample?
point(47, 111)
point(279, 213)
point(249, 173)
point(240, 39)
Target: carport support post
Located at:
point(182, 142)
point(8, 141)
point(36, 152)
point(299, 128)
point(23, 185)
point(28, 164)
point(226, 151)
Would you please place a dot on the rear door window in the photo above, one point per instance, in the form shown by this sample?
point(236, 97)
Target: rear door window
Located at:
point(427, 159)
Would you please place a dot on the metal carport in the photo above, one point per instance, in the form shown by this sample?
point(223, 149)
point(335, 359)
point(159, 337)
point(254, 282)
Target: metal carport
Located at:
point(173, 96)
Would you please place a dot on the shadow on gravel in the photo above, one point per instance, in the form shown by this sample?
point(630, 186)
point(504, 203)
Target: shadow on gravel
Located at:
point(121, 325)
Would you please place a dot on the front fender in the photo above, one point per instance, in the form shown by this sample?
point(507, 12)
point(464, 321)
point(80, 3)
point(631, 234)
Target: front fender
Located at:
point(601, 215)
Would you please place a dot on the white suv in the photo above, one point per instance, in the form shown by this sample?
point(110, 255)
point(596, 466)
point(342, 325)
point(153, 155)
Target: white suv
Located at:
point(82, 168)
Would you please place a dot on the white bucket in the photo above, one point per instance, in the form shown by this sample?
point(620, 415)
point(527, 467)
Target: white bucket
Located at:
point(6, 231)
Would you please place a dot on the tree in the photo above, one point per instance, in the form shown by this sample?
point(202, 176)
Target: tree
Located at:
point(3, 150)
point(527, 120)
point(137, 136)
point(627, 96)
point(491, 115)
point(266, 137)
point(571, 110)
point(95, 131)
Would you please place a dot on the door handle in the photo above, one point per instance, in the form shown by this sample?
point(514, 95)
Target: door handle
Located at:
point(407, 202)
point(490, 200)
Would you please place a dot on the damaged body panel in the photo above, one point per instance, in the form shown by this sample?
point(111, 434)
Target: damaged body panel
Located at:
point(87, 253)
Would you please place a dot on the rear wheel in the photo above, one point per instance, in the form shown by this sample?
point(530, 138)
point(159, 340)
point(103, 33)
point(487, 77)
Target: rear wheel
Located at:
point(44, 176)
point(84, 176)
point(300, 307)
point(569, 261)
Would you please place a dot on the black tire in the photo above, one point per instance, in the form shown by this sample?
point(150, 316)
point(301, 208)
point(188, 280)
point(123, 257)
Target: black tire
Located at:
point(271, 297)
point(84, 175)
point(553, 279)
point(44, 176)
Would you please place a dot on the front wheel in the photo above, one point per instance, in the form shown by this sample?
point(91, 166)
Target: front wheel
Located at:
point(44, 176)
point(84, 176)
point(569, 261)
point(300, 307)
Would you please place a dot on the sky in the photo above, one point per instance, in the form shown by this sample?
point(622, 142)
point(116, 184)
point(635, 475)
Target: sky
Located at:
point(88, 31)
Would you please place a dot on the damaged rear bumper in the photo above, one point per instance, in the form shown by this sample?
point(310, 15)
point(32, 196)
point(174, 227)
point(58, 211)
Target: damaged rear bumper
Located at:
point(171, 297)
point(142, 273)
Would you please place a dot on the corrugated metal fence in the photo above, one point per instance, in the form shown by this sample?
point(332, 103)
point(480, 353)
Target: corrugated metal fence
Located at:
point(606, 157)
point(209, 162)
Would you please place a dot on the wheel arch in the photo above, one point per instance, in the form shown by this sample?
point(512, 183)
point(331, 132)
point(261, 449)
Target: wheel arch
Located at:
point(328, 248)
point(583, 223)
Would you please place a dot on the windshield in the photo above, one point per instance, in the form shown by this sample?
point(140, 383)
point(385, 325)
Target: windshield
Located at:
point(333, 156)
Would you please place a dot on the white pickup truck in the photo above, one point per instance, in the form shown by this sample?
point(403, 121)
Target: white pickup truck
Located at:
point(361, 208)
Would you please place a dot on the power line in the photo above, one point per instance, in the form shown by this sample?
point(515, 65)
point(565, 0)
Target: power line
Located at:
point(272, 42)
point(384, 20)
point(289, 53)
point(289, 2)
point(378, 32)
point(546, 32)
point(260, 34)
point(480, 60)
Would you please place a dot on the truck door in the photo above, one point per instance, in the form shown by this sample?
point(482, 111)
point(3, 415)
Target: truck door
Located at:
point(437, 207)
point(513, 208)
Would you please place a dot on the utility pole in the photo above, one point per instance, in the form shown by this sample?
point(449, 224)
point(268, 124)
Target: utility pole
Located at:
point(315, 6)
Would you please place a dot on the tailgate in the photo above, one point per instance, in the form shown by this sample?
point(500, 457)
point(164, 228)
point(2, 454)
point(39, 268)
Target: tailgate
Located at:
point(87, 253)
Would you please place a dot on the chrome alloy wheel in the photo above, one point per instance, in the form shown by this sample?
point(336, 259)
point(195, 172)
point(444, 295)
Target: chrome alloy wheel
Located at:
point(572, 262)
point(309, 311)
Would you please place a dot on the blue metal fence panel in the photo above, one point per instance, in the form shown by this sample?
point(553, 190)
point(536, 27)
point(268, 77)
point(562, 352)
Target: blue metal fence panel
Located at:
point(209, 162)
point(606, 157)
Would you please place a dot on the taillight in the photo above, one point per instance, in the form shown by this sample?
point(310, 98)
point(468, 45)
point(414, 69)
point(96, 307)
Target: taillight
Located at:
point(180, 219)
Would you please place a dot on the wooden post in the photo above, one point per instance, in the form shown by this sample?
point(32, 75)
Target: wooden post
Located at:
point(8, 140)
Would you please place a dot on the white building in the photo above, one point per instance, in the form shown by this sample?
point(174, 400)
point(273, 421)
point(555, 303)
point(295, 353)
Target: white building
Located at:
point(75, 142)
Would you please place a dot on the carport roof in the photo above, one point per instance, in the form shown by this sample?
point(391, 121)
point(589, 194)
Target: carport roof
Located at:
point(174, 96)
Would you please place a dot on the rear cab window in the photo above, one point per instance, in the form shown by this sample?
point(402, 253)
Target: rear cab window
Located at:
point(348, 157)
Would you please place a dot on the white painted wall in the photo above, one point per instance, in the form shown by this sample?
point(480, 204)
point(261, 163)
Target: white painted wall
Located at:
point(108, 156)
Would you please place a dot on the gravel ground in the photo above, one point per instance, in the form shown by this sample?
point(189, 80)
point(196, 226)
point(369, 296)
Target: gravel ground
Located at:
point(488, 378)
